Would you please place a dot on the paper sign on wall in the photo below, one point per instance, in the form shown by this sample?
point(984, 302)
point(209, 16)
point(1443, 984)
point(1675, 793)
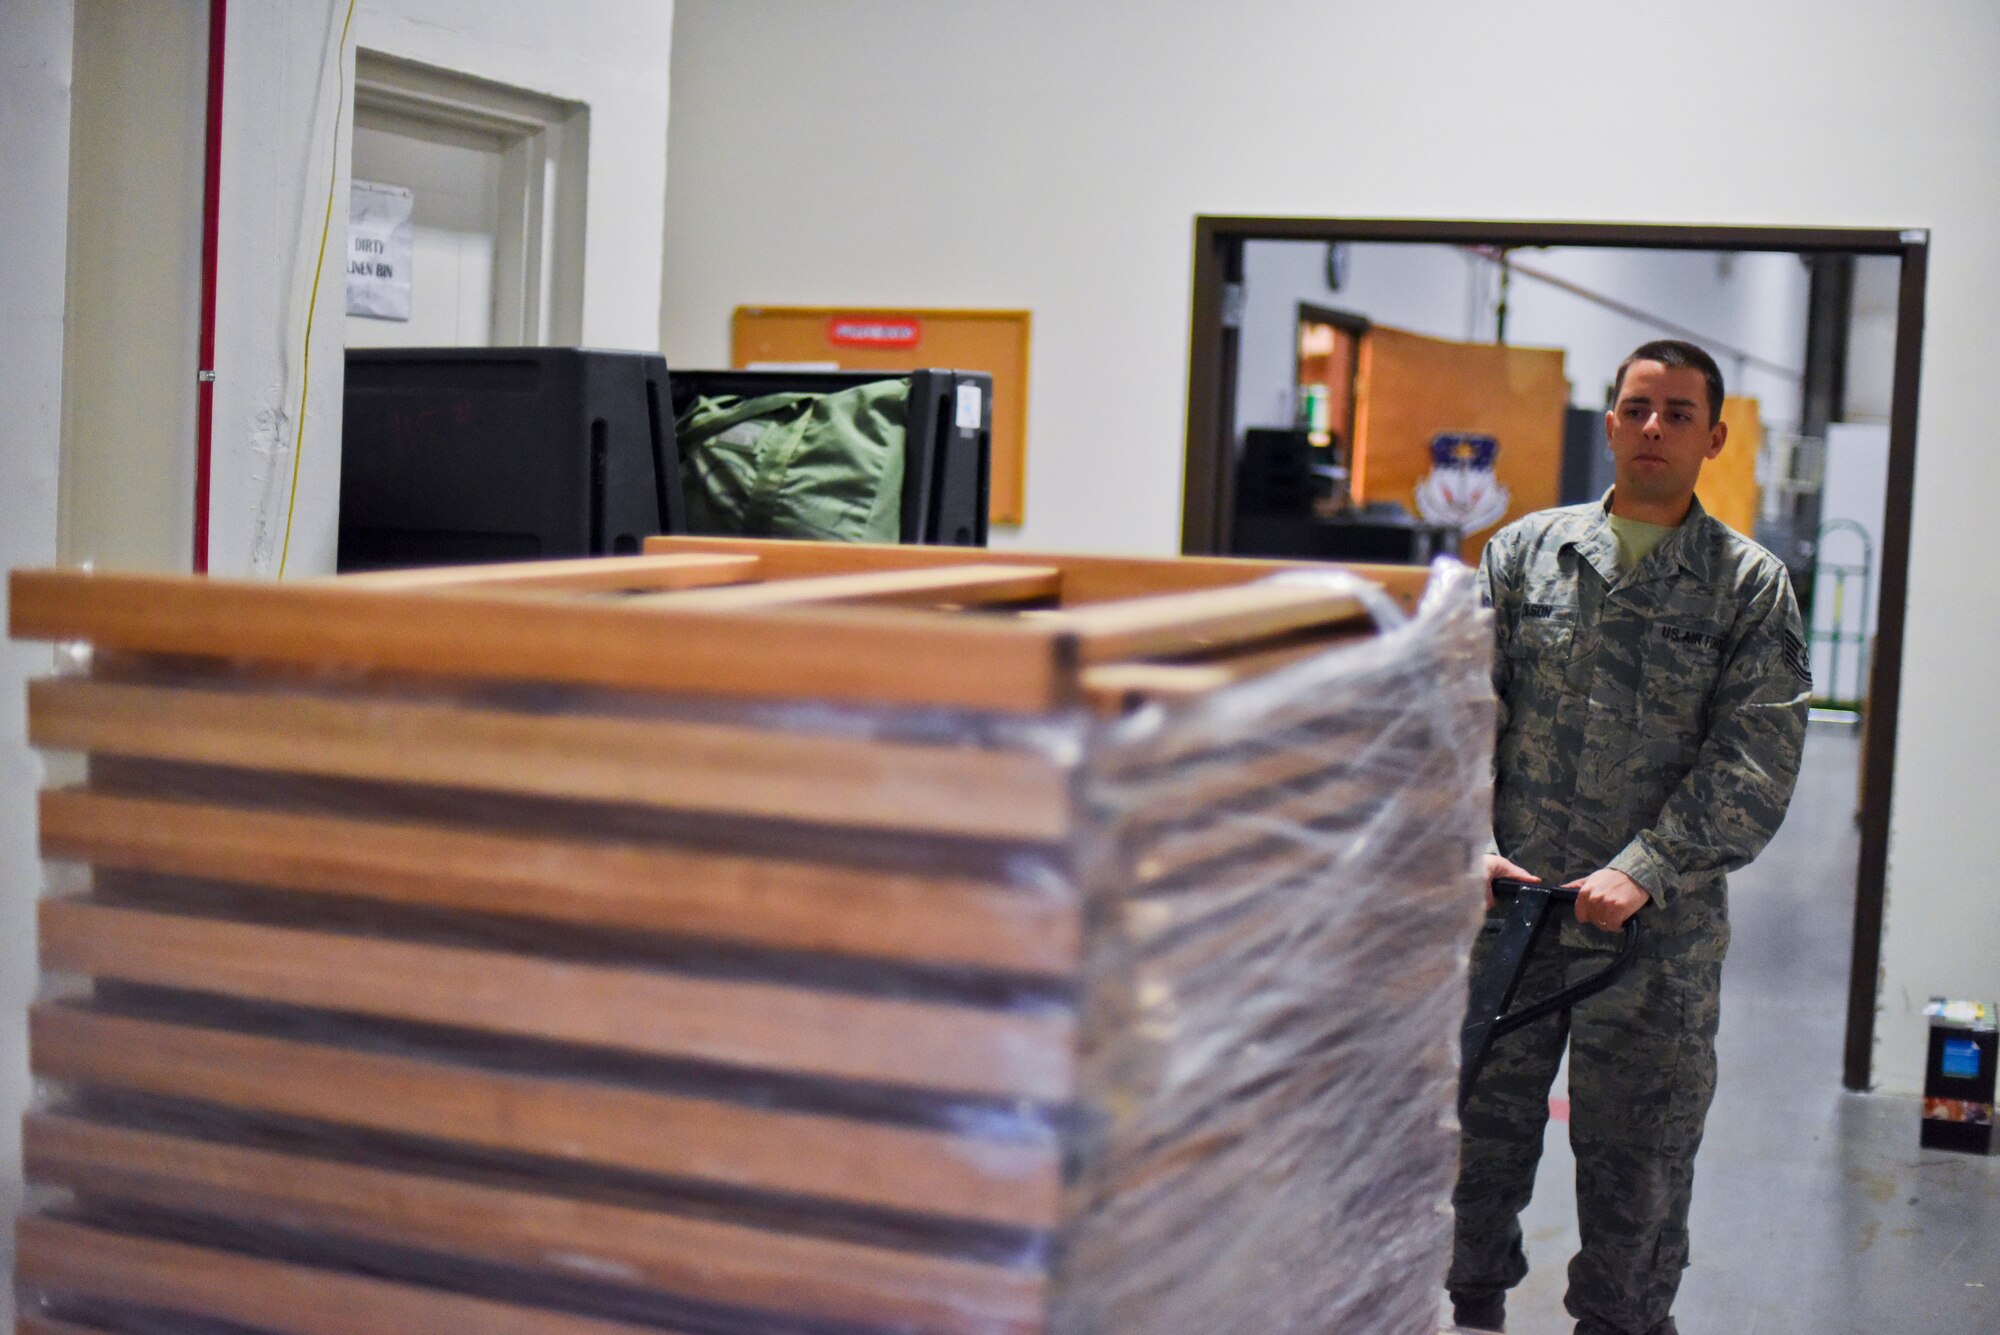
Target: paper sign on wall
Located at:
point(378, 251)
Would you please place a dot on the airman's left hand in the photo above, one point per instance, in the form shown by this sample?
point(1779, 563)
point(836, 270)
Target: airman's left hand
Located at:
point(1605, 899)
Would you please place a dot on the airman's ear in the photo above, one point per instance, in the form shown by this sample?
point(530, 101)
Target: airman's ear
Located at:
point(1718, 435)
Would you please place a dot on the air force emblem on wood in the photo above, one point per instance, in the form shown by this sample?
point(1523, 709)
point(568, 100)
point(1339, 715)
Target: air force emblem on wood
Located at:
point(1461, 489)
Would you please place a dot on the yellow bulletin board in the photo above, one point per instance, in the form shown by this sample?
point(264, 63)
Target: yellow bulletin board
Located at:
point(1728, 486)
point(904, 339)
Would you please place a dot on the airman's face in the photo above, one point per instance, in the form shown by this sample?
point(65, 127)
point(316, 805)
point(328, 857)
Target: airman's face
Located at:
point(1660, 434)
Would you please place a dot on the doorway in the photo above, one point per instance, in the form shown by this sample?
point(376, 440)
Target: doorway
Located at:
point(489, 181)
point(1216, 353)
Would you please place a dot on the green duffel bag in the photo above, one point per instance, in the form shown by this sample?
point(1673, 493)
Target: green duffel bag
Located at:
point(826, 466)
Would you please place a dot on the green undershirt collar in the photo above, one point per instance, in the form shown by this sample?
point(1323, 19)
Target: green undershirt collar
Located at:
point(1636, 539)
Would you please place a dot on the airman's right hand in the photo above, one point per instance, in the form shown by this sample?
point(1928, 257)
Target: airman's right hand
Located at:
point(1498, 867)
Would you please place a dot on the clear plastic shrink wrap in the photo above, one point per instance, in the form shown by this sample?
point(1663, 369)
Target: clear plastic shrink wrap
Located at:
point(378, 1003)
point(1281, 983)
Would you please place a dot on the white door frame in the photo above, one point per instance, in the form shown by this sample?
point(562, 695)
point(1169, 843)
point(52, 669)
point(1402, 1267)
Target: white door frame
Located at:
point(544, 149)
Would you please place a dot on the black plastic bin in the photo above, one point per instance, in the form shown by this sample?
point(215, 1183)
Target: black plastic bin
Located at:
point(460, 455)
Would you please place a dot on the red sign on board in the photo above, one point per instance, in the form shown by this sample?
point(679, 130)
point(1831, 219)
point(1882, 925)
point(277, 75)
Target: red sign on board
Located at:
point(874, 331)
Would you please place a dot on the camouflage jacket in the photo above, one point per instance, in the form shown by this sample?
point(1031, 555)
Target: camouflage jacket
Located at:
point(1650, 722)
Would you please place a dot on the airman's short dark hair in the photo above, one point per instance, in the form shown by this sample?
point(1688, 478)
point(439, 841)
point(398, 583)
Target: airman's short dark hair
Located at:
point(1673, 352)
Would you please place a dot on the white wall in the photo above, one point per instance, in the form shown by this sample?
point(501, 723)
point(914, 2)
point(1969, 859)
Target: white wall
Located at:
point(1857, 478)
point(34, 190)
point(1053, 156)
point(1753, 302)
point(613, 56)
point(285, 150)
point(128, 496)
point(1871, 339)
point(132, 342)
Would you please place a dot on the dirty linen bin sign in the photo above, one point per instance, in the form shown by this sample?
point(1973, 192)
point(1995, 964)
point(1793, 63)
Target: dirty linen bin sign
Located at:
point(379, 248)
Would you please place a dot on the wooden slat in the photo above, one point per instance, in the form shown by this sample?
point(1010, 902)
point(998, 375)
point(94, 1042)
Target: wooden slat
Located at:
point(765, 901)
point(1263, 656)
point(601, 574)
point(1111, 687)
point(848, 654)
point(1184, 622)
point(752, 1024)
point(1233, 833)
point(272, 1296)
point(41, 1325)
point(1086, 579)
point(1115, 686)
point(652, 762)
point(966, 586)
point(843, 1160)
point(1198, 795)
point(1404, 583)
point(720, 1262)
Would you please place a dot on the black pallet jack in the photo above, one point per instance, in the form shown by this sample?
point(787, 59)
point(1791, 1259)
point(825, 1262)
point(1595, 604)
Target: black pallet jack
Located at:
point(1530, 906)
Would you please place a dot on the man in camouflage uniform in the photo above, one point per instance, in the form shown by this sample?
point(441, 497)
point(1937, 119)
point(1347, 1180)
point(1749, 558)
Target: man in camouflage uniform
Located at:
point(1652, 683)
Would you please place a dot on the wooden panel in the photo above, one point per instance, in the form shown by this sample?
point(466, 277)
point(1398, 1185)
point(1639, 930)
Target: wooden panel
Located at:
point(584, 575)
point(683, 766)
point(861, 654)
point(967, 340)
point(1728, 486)
point(963, 586)
point(1085, 579)
point(1410, 387)
point(269, 1295)
point(703, 1258)
point(839, 1159)
point(1180, 623)
point(751, 1024)
point(765, 901)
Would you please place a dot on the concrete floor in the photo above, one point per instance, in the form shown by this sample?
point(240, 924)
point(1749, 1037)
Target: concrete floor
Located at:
point(1815, 1212)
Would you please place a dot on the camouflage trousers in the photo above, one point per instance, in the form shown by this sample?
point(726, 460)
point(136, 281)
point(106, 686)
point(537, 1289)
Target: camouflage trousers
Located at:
point(1641, 1075)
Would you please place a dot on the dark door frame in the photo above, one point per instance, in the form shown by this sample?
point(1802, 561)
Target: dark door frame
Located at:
point(1207, 496)
point(1356, 327)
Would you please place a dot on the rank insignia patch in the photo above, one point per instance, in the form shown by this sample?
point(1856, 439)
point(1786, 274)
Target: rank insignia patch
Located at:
point(1795, 657)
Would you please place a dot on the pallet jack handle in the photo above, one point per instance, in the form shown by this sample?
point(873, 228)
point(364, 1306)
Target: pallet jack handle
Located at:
point(1528, 910)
